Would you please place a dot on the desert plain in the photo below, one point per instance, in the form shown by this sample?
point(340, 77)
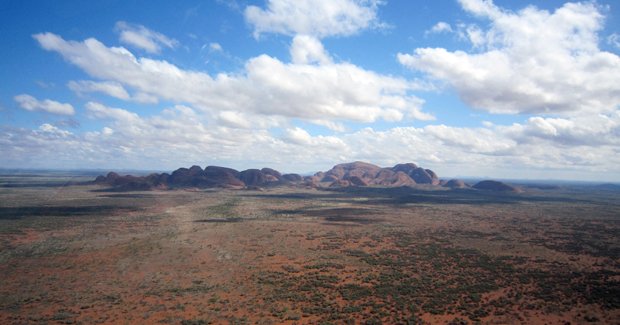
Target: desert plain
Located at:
point(83, 254)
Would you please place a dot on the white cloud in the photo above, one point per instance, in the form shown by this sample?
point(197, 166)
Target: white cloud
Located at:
point(482, 8)
point(30, 103)
point(614, 40)
point(50, 129)
point(581, 147)
point(307, 49)
point(301, 137)
point(586, 130)
point(107, 131)
point(440, 27)
point(110, 88)
point(311, 17)
point(298, 136)
point(143, 38)
point(472, 33)
point(100, 111)
point(215, 47)
point(268, 86)
point(233, 114)
point(234, 119)
point(478, 140)
point(530, 61)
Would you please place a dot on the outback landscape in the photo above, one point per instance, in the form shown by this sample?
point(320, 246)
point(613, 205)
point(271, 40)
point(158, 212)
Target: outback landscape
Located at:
point(310, 162)
point(357, 244)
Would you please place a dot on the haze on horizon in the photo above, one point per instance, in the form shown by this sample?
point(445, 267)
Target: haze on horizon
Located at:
point(466, 87)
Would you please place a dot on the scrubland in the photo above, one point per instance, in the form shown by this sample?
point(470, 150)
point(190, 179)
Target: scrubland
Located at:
point(81, 254)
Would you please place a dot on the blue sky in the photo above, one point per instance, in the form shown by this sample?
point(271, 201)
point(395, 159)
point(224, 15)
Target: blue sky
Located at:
point(509, 89)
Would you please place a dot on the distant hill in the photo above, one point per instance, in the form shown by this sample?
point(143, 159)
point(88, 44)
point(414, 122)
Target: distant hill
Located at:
point(495, 186)
point(364, 174)
point(342, 175)
point(455, 183)
point(196, 177)
point(608, 187)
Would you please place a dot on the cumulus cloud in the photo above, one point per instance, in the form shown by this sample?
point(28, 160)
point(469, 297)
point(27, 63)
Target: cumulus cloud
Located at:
point(311, 17)
point(440, 27)
point(30, 103)
point(531, 61)
point(477, 140)
point(143, 38)
point(509, 69)
point(100, 111)
point(50, 129)
point(268, 86)
point(301, 137)
point(587, 130)
point(482, 8)
point(110, 88)
point(539, 147)
point(307, 49)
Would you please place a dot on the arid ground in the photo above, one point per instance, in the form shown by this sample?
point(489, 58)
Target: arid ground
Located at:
point(80, 254)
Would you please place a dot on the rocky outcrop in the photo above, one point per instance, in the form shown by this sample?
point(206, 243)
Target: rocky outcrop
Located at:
point(267, 177)
point(222, 177)
point(184, 177)
point(364, 171)
point(495, 186)
point(271, 175)
point(133, 183)
point(418, 174)
point(342, 175)
point(364, 174)
point(388, 177)
point(293, 178)
point(455, 183)
point(252, 177)
point(405, 168)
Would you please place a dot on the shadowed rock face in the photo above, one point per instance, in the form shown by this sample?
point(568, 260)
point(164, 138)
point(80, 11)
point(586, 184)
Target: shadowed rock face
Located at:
point(455, 183)
point(222, 177)
point(294, 178)
point(180, 177)
point(340, 183)
point(267, 176)
point(329, 178)
point(495, 186)
point(271, 175)
point(252, 177)
point(418, 174)
point(405, 168)
point(357, 181)
point(183, 177)
point(434, 177)
point(133, 183)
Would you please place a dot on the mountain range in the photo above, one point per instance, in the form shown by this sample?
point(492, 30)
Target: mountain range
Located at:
point(342, 175)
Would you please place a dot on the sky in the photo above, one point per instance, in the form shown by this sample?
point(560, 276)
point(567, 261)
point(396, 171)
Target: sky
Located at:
point(469, 88)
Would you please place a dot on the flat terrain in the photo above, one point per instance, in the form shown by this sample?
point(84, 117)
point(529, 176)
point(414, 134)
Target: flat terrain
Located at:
point(80, 254)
